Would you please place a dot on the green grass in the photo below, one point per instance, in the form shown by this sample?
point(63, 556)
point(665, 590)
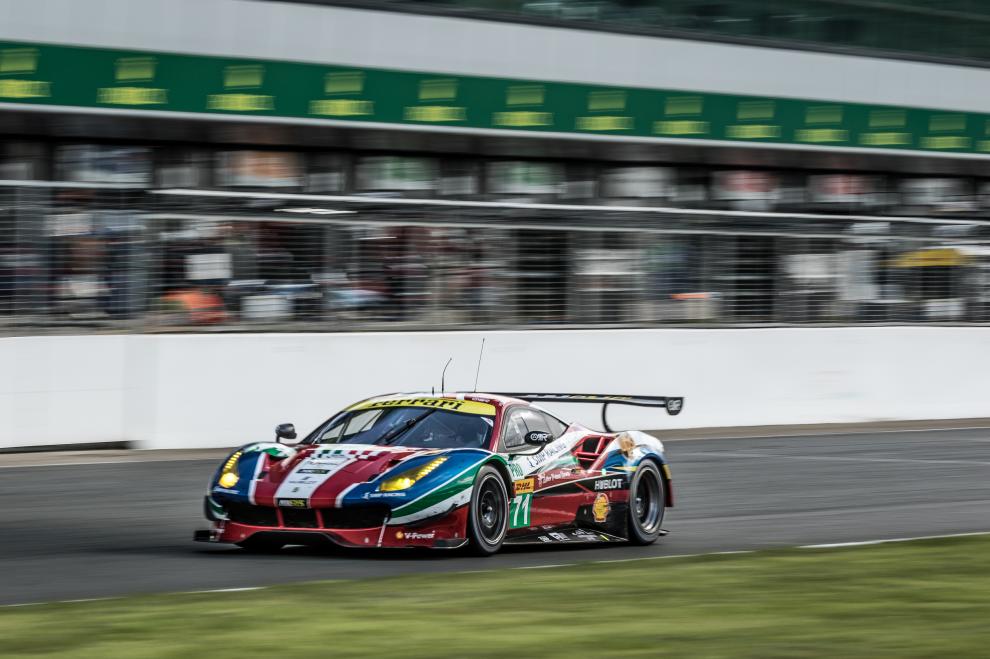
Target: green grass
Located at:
point(929, 598)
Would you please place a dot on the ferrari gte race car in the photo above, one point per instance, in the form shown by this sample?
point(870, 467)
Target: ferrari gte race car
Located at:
point(446, 471)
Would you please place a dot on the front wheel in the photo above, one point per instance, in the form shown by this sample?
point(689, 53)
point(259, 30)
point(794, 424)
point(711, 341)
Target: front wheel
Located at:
point(646, 504)
point(488, 517)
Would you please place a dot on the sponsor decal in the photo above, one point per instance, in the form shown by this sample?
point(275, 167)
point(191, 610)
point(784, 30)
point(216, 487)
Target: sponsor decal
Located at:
point(609, 484)
point(413, 535)
point(307, 480)
point(292, 503)
point(382, 495)
point(544, 538)
point(452, 404)
point(547, 455)
point(313, 471)
point(600, 508)
point(552, 476)
point(519, 511)
point(626, 444)
point(558, 536)
point(674, 406)
point(329, 462)
point(525, 486)
point(538, 436)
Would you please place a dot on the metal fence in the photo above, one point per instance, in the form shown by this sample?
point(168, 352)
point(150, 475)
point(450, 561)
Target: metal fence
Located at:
point(80, 257)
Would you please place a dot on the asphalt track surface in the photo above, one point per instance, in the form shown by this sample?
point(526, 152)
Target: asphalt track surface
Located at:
point(101, 530)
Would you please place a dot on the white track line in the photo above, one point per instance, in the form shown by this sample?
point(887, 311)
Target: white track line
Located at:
point(831, 458)
point(862, 543)
point(123, 460)
point(813, 435)
point(649, 558)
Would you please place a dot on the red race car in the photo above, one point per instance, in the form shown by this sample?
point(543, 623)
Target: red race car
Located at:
point(446, 471)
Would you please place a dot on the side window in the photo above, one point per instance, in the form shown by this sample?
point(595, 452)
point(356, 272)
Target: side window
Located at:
point(513, 431)
point(555, 425)
point(349, 425)
point(534, 421)
point(521, 421)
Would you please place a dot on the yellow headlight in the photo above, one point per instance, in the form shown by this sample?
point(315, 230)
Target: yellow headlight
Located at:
point(406, 479)
point(228, 476)
point(228, 480)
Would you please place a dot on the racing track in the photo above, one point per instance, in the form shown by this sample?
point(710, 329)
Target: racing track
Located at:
point(86, 531)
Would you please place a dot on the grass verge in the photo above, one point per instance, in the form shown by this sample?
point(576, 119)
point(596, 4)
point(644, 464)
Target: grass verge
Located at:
point(923, 598)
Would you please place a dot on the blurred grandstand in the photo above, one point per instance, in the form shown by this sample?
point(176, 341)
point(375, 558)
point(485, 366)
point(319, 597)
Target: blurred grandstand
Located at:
point(117, 216)
point(946, 30)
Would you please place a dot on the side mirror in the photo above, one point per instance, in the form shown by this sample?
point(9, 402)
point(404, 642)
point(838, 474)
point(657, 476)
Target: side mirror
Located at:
point(538, 438)
point(285, 431)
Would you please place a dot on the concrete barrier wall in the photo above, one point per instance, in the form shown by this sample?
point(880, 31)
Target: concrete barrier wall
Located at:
point(171, 391)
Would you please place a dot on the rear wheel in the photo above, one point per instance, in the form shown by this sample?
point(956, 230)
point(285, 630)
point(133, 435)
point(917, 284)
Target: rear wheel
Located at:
point(259, 544)
point(488, 517)
point(646, 504)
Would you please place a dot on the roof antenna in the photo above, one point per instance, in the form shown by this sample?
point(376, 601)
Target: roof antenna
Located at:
point(443, 387)
point(478, 371)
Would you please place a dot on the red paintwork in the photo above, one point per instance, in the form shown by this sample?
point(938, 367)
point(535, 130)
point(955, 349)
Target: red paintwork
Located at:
point(449, 527)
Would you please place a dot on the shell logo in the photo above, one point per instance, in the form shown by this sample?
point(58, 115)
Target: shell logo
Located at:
point(600, 508)
point(626, 444)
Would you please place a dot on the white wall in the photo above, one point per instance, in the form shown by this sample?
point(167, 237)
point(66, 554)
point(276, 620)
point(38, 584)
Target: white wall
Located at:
point(60, 390)
point(354, 37)
point(224, 390)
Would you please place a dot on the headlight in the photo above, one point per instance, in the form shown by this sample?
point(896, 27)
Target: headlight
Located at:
point(228, 474)
point(406, 479)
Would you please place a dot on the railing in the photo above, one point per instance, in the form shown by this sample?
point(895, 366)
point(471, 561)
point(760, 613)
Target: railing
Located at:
point(82, 258)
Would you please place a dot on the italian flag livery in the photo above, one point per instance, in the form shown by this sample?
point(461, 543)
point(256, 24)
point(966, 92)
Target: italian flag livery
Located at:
point(445, 471)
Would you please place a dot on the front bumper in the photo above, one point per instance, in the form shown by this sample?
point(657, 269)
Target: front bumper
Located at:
point(445, 532)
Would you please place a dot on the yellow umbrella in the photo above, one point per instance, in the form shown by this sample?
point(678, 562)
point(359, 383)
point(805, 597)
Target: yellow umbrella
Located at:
point(930, 258)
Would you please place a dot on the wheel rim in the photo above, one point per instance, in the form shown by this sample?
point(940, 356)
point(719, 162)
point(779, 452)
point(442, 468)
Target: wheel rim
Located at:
point(491, 511)
point(648, 504)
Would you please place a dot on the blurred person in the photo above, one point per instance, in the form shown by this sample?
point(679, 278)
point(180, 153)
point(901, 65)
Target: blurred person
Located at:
point(81, 288)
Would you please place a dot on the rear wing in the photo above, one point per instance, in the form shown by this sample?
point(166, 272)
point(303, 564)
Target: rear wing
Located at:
point(672, 404)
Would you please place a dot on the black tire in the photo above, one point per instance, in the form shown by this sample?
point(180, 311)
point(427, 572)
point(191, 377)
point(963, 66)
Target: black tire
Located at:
point(259, 544)
point(647, 504)
point(488, 514)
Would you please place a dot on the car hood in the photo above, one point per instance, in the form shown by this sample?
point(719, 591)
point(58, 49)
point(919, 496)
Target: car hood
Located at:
point(330, 475)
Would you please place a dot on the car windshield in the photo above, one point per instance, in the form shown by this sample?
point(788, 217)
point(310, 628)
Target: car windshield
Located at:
point(409, 426)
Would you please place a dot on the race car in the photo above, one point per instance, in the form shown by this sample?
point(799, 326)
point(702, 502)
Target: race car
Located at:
point(446, 471)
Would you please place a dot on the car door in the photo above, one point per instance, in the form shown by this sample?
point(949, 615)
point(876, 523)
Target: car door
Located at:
point(545, 494)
